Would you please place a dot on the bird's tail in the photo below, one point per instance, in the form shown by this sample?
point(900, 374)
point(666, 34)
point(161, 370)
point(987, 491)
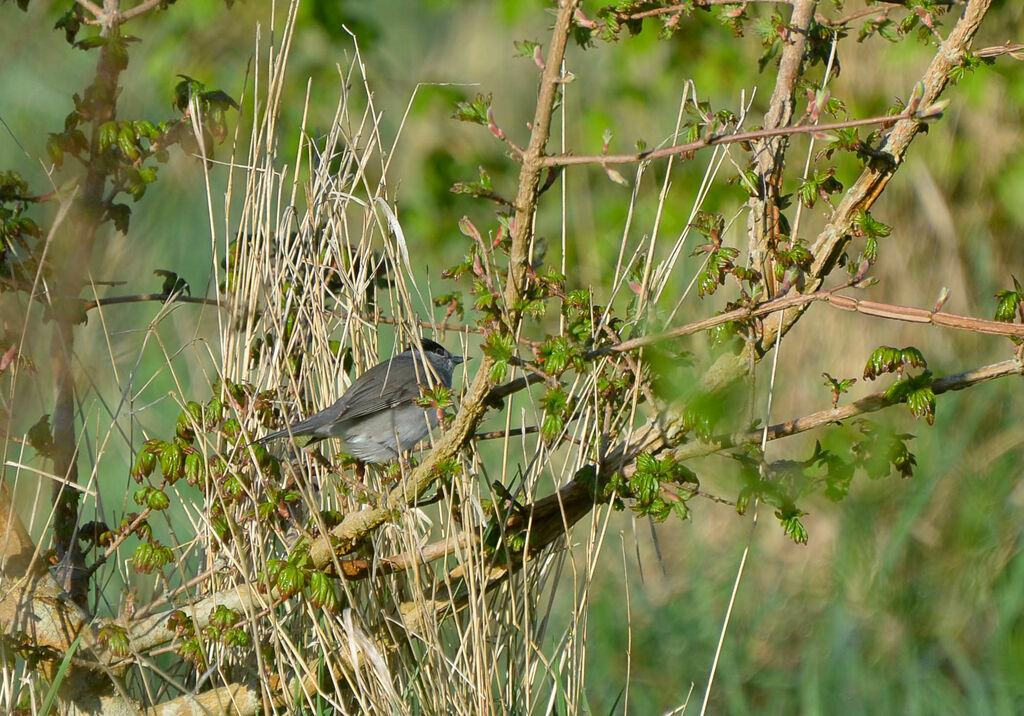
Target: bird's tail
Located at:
point(267, 438)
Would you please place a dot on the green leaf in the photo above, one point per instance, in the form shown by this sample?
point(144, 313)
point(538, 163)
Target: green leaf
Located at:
point(866, 225)
point(792, 526)
point(145, 463)
point(184, 90)
point(144, 128)
point(107, 135)
point(838, 386)
point(172, 462)
point(886, 359)
point(219, 99)
point(322, 594)
point(474, 111)
point(558, 354)
point(157, 500)
point(195, 468)
point(644, 484)
point(917, 392)
point(55, 150)
point(224, 617)
point(525, 48)
point(183, 427)
point(192, 652)
point(500, 347)
point(290, 580)
point(116, 639)
point(126, 142)
point(90, 43)
point(70, 22)
point(143, 560)
point(1009, 302)
point(236, 637)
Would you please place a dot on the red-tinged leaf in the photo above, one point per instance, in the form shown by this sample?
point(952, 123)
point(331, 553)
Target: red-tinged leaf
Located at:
point(8, 356)
point(492, 125)
point(538, 58)
point(468, 228)
point(499, 236)
point(583, 21)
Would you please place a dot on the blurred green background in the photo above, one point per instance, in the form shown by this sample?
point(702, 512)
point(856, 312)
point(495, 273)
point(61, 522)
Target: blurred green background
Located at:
point(908, 597)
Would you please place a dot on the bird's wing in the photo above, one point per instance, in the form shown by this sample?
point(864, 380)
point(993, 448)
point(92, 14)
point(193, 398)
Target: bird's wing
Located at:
point(378, 389)
point(375, 390)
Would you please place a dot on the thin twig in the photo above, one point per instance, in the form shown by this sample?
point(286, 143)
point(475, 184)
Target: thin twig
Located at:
point(845, 303)
point(867, 404)
point(122, 535)
point(139, 9)
point(95, 10)
point(511, 432)
point(363, 568)
point(139, 298)
point(1014, 49)
point(881, 9)
point(683, 7)
point(560, 160)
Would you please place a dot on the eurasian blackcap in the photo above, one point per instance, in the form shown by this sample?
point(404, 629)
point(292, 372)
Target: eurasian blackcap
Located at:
point(377, 417)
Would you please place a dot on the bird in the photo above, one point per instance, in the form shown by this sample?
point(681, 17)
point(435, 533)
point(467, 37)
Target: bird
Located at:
point(377, 417)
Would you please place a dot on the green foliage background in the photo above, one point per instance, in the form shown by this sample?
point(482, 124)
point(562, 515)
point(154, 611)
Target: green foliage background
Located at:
point(909, 597)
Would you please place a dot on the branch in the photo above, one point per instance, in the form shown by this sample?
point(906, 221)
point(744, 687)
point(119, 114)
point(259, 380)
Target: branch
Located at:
point(845, 303)
point(442, 326)
point(363, 568)
point(244, 698)
point(879, 10)
point(95, 10)
point(1013, 49)
point(511, 432)
point(764, 217)
point(563, 160)
point(140, 9)
point(500, 392)
point(161, 297)
point(868, 404)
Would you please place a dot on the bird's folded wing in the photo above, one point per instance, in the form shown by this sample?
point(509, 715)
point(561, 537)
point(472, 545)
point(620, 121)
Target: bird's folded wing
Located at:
point(378, 389)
